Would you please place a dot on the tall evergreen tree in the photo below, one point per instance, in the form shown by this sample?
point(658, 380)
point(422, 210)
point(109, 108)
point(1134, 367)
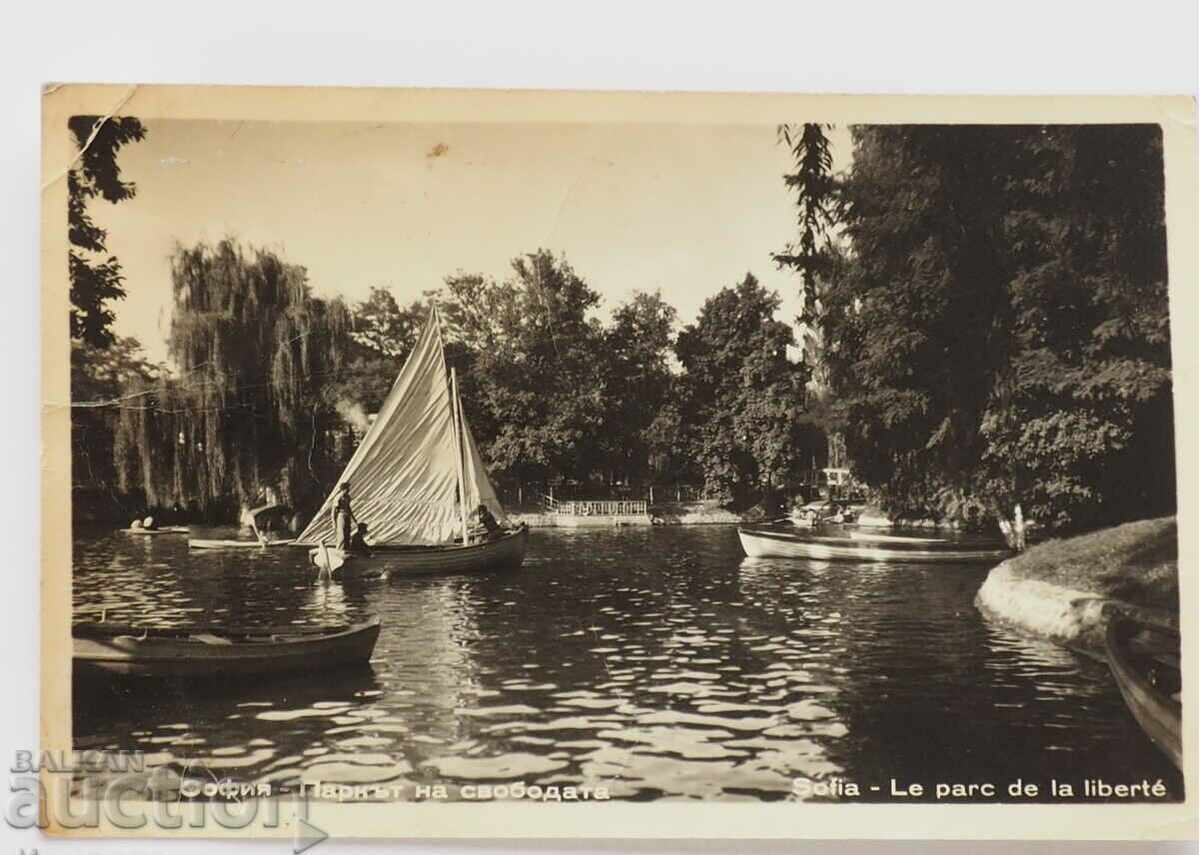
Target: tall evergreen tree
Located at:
point(816, 202)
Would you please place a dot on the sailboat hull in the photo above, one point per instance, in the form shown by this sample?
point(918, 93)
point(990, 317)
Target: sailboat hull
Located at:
point(503, 553)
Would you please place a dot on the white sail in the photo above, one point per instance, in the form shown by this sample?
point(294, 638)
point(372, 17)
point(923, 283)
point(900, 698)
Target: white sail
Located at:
point(478, 486)
point(404, 474)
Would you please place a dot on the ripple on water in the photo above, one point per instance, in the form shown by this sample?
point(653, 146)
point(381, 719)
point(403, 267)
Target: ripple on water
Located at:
point(505, 767)
point(660, 663)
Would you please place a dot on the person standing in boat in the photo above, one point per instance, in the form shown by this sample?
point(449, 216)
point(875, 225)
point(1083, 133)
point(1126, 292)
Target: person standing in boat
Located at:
point(343, 517)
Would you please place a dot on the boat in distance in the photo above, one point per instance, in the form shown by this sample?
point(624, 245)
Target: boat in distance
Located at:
point(780, 543)
point(1144, 661)
point(110, 649)
point(506, 551)
point(168, 529)
point(217, 543)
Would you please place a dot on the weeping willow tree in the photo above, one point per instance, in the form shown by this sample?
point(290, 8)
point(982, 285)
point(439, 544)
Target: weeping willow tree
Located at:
point(254, 352)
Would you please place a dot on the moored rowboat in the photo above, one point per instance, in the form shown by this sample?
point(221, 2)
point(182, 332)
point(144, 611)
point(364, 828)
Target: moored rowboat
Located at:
point(122, 650)
point(504, 552)
point(203, 543)
point(764, 543)
point(893, 538)
point(1144, 661)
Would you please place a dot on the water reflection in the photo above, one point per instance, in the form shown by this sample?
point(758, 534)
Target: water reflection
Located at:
point(658, 662)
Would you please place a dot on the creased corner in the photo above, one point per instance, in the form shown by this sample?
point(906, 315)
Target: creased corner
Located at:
point(91, 137)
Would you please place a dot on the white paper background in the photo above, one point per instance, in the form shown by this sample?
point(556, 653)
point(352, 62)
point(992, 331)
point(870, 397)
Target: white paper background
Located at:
point(1014, 47)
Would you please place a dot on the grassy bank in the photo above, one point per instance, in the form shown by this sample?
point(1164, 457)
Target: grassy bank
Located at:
point(1136, 562)
point(1067, 590)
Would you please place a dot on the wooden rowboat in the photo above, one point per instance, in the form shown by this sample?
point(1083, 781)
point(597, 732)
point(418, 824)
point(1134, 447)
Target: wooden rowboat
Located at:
point(894, 538)
point(1144, 661)
point(764, 543)
point(203, 543)
point(395, 560)
point(167, 529)
point(121, 650)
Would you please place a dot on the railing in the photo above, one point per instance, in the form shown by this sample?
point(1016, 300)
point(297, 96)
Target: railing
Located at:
point(676, 493)
point(599, 508)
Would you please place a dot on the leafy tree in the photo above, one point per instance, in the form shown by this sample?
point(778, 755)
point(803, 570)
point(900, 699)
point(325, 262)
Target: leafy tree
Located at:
point(668, 454)
point(95, 280)
point(742, 400)
point(913, 317)
point(98, 377)
point(382, 335)
point(533, 387)
point(999, 336)
point(383, 328)
point(637, 384)
point(1080, 425)
point(254, 351)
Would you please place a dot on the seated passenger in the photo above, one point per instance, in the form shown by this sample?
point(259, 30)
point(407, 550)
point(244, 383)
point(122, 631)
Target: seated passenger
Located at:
point(358, 542)
point(491, 528)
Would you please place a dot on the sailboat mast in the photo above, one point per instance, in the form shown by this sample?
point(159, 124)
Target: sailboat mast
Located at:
point(458, 448)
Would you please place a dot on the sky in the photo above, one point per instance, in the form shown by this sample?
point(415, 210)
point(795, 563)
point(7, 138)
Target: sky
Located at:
point(685, 209)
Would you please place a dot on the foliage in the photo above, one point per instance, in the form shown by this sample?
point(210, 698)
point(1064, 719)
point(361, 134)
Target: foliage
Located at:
point(95, 280)
point(1081, 424)
point(535, 389)
point(816, 198)
point(742, 400)
point(1000, 333)
point(383, 328)
point(382, 334)
point(100, 362)
point(253, 349)
point(98, 377)
point(637, 388)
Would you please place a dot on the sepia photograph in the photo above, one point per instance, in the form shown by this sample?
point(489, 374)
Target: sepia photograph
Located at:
point(781, 458)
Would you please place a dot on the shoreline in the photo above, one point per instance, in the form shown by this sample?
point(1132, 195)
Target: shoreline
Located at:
point(1031, 593)
point(663, 515)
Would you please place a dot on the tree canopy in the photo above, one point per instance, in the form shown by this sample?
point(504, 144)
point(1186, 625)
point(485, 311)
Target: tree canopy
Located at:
point(742, 400)
point(254, 351)
point(1000, 333)
point(638, 387)
point(535, 381)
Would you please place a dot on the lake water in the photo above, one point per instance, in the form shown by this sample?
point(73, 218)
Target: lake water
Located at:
point(658, 662)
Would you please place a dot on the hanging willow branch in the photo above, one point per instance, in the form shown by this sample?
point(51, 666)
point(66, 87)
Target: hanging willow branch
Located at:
point(253, 349)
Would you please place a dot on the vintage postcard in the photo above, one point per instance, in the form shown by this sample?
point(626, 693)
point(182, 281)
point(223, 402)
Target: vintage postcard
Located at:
point(547, 464)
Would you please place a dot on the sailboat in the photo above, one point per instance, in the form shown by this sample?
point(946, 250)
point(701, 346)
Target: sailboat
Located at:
point(416, 480)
